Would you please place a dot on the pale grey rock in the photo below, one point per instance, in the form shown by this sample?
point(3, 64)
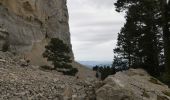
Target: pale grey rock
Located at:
point(26, 23)
point(68, 92)
point(134, 84)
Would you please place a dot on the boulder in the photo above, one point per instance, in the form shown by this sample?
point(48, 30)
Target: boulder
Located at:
point(134, 84)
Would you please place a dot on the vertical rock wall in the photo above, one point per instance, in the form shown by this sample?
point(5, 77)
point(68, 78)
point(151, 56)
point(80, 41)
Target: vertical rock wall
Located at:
point(26, 23)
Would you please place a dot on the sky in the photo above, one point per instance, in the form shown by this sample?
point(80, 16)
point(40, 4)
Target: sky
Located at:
point(94, 25)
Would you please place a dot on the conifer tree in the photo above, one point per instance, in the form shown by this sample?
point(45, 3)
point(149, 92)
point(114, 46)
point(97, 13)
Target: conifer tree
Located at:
point(58, 53)
point(165, 23)
point(139, 36)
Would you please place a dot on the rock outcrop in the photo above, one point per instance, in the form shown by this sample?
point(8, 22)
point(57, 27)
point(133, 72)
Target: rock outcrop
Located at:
point(24, 24)
point(132, 85)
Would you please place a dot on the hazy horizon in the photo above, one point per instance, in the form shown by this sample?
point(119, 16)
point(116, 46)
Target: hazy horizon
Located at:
point(94, 25)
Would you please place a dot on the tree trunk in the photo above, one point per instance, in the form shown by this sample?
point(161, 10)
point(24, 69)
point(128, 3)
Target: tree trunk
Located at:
point(129, 57)
point(166, 34)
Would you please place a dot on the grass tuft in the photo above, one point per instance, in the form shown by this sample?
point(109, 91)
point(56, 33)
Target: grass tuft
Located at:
point(145, 95)
point(167, 93)
point(155, 81)
point(161, 97)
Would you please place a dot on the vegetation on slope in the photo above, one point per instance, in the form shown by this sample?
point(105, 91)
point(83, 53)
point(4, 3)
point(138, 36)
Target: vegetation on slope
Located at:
point(58, 53)
point(144, 40)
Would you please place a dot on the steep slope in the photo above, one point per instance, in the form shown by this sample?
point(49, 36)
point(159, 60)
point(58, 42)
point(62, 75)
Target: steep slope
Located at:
point(25, 23)
point(21, 82)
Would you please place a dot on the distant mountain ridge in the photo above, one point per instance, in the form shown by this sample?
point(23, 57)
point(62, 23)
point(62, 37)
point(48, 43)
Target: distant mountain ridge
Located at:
point(90, 64)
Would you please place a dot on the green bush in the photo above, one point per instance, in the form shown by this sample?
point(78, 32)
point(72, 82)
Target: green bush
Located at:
point(155, 81)
point(165, 78)
point(71, 72)
point(95, 68)
point(46, 67)
point(5, 47)
point(167, 93)
point(103, 72)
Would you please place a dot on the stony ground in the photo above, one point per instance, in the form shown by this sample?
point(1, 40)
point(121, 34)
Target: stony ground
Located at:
point(20, 82)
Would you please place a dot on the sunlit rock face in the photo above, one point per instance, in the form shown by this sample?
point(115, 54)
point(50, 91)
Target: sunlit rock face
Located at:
point(26, 23)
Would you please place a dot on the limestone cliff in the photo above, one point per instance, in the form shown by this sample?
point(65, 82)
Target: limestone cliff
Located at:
point(26, 23)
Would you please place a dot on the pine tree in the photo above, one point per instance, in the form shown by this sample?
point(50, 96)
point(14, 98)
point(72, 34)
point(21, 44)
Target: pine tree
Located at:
point(139, 36)
point(58, 53)
point(165, 22)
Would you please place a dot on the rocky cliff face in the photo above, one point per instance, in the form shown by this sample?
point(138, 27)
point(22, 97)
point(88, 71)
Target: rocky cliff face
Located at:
point(24, 23)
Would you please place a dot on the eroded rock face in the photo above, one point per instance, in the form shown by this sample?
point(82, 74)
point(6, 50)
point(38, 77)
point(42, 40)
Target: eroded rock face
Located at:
point(26, 22)
point(134, 84)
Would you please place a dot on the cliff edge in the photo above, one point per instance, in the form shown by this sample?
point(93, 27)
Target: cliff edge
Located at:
point(27, 25)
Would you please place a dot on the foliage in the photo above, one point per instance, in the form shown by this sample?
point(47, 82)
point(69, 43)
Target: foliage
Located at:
point(95, 68)
point(46, 67)
point(5, 47)
point(104, 71)
point(166, 93)
point(155, 81)
point(71, 72)
point(58, 53)
point(165, 78)
point(119, 64)
point(145, 94)
point(142, 40)
point(160, 97)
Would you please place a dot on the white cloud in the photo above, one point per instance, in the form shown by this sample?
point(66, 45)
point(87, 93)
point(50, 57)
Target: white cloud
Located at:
point(94, 25)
